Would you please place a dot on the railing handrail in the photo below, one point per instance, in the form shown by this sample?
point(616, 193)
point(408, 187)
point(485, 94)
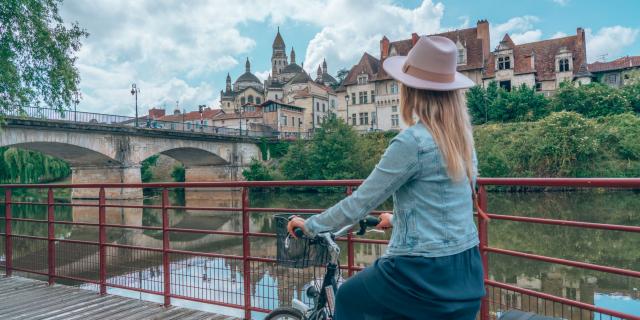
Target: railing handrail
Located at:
point(627, 183)
point(246, 209)
point(102, 119)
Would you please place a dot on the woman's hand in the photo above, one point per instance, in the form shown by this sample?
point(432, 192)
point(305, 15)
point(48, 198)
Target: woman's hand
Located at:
point(385, 221)
point(295, 222)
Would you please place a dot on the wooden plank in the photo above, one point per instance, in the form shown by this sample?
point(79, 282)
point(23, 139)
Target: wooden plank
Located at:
point(27, 299)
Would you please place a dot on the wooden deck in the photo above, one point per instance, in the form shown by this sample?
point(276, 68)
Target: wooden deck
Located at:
point(22, 298)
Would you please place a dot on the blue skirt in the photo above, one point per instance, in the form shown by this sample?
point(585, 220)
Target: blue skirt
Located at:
point(408, 287)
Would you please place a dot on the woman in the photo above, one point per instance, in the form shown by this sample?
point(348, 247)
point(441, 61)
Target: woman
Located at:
point(432, 268)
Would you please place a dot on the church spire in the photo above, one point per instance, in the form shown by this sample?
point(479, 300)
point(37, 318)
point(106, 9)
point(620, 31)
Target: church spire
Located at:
point(228, 87)
point(319, 73)
point(324, 65)
point(278, 42)
point(293, 56)
point(247, 66)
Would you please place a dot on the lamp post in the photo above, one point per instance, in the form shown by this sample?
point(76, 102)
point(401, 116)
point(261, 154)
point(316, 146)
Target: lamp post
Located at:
point(201, 110)
point(134, 92)
point(76, 100)
point(346, 100)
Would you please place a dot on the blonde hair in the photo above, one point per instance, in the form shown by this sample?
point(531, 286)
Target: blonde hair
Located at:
point(445, 114)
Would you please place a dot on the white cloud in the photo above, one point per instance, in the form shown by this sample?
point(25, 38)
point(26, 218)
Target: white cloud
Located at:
point(561, 2)
point(351, 27)
point(559, 34)
point(263, 75)
point(520, 29)
point(610, 41)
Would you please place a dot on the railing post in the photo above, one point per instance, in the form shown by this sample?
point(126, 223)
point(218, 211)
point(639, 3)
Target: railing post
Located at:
point(246, 253)
point(484, 242)
point(350, 251)
point(102, 239)
point(8, 242)
point(51, 236)
point(165, 247)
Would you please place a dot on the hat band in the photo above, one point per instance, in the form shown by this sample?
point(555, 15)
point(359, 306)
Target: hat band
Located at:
point(428, 75)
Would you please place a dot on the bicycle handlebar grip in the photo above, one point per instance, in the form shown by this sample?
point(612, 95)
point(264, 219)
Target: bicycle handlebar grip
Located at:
point(372, 221)
point(298, 232)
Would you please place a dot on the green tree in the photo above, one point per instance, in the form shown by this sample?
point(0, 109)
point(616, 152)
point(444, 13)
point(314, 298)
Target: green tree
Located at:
point(631, 93)
point(340, 76)
point(145, 170)
point(335, 152)
point(37, 55)
point(478, 105)
point(178, 173)
point(296, 165)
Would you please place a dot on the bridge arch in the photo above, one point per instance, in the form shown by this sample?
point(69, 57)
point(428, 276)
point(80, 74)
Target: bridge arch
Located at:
point(76, 156)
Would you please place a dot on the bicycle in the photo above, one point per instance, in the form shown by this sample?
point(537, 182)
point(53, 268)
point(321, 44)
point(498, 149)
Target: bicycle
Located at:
point(304, 252)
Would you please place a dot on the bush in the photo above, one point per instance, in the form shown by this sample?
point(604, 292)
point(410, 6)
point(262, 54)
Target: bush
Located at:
point(495, 104)
point(591, 100)
point(257, 172)
point(178, 173)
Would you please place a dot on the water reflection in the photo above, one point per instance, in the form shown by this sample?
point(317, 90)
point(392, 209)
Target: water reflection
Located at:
point(221, 279)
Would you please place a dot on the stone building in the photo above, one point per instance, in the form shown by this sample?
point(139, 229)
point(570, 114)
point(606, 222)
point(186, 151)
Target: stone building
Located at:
point(290, 84)
point(246, 89)
point(543, 65)
point(615, 73)
point(371, 95)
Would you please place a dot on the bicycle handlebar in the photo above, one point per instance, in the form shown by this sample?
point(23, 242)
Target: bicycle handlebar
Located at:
point(368, 221)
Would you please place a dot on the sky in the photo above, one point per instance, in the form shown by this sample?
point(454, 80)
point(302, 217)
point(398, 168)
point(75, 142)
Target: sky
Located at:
point(179, 52)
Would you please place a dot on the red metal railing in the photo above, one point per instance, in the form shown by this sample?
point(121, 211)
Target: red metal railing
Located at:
point(168, 271)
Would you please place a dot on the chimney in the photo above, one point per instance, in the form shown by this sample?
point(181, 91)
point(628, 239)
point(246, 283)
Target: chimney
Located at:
point(581, 45)
point(384, 48)
point(414, 39)
point(482, 31)
point(155, 113)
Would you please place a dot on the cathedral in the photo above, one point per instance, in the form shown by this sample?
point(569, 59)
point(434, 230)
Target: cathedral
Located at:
point(287, 83)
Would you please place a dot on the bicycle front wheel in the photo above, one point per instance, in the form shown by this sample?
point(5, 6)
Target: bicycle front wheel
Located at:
point(285, 313)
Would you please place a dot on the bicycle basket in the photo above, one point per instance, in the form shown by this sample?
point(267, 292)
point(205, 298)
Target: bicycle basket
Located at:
point(301, 253)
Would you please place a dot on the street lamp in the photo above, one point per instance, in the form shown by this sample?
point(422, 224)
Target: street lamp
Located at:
point(76, 100)
point(346, 100)
point(201, 110)
point(134, 92)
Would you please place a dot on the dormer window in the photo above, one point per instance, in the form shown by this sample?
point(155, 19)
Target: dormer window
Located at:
point(563, 65)
point(504, 63)
point(462, 53)
point(362, 79)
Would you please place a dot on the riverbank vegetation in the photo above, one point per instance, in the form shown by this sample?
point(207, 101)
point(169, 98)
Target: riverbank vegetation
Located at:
point(22, 166)
point(562, 144)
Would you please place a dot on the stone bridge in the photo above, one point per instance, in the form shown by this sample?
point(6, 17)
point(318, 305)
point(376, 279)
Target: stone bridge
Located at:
point(113, 154)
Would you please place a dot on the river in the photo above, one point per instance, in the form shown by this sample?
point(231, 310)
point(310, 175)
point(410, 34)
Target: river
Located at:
point(220, 279)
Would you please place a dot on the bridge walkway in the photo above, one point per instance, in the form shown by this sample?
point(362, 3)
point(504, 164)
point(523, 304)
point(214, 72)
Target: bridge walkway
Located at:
point(22, 298)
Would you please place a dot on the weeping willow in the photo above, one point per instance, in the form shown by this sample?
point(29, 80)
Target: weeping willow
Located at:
point(21, 166)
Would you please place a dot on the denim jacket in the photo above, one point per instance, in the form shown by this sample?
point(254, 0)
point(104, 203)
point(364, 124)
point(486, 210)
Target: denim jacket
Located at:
point(433, 215)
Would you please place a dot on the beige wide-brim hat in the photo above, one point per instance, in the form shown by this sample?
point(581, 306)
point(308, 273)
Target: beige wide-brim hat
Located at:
point(430, 64)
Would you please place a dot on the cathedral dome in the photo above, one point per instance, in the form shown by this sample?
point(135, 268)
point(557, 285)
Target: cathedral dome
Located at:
point(292, 68)
point(248, 77)
point(301, 77)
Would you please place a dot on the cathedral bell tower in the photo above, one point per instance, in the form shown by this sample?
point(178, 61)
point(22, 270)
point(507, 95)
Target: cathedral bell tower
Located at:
point(278, 56)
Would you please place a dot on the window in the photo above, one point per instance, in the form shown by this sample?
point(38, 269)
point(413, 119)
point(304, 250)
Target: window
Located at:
point(333, 104)
point(317, 106)
point(461, 59)
point(353, 98)
point(324, 109)
point(504, 63)
point(373, 118)
point(611, 78)
point(362, 79)
point(360, 99)
point(394, 108)
point(506, 85)
point(373, 96)
point(242, 101)
point(250, 99)
point(293, 121)
point(394, 88)
point(276, 96)
point(284, 120)
point(394, 120)
point(538, 86)
point(258, 101)
point(364, 118)
point(173, 126)
point(563, 65)
point(318, 119)
point(364, 95)
point(353, 119)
